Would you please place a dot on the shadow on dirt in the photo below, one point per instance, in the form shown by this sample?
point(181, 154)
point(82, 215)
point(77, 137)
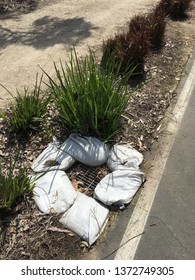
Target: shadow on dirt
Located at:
point(47, 32)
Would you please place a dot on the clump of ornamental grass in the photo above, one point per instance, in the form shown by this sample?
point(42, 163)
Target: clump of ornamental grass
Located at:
point(127, 51)
point(14, 184)
point(175, 9)
point(27, 109)
point(90, 101)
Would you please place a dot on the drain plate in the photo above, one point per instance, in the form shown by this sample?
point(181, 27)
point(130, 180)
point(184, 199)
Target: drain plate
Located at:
point(86, 176)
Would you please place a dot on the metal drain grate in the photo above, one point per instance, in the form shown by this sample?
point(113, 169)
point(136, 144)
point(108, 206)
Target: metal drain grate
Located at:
point(88, 177)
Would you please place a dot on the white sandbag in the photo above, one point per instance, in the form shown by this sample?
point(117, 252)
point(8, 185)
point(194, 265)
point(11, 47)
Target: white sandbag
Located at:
point(53, 191)
point(54, 157)
point(124, 156)
point(87, 150)
point(87, 218)
point(118, 187)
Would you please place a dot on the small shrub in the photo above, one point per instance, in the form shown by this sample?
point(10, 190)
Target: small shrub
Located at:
point(157, 22)
point(152, 26)
point(13, 185)
point(27, 109)
point(138, 24)
point(127, 51)
point(175, 9)
point(90, 101)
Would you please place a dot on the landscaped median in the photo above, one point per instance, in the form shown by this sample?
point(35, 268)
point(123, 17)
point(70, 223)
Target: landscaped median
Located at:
point(90, 99)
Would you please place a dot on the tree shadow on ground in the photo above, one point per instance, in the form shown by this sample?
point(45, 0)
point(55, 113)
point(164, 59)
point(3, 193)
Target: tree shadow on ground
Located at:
point(47, 32)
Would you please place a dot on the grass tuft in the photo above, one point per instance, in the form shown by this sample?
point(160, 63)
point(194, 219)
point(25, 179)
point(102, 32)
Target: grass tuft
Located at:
point(27, 109)
point(90, 101)
point(13, 185)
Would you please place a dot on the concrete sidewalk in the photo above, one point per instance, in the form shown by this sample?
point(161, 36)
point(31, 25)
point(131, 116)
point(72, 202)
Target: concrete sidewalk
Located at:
point(162, 225)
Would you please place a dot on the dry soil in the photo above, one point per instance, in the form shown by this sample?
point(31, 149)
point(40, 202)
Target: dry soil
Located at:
point(35, 39)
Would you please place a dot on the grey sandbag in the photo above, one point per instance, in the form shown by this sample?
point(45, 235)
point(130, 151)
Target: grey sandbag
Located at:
point(54, 157)
point(118, 187)
point(124, 156)
point(53, 191)
point(86, 217)
point(87, 150)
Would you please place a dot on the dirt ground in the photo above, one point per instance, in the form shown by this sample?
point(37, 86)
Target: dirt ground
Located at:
point(35, 39)
point(31, 38)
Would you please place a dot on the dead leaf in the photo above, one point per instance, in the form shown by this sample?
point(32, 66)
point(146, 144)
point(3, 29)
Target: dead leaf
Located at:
point(50, 163)
point(12, 229)
point(159, 127)
point(56, 229)
point(140, 144)
point(84, 244)
point(75, 184)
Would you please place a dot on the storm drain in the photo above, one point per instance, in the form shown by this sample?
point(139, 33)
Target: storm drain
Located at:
point(88, 177)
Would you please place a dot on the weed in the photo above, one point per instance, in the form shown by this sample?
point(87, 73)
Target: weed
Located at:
point(90, 101)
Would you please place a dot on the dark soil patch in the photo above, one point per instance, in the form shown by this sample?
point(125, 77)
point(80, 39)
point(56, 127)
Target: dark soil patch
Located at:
point(28, 234)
